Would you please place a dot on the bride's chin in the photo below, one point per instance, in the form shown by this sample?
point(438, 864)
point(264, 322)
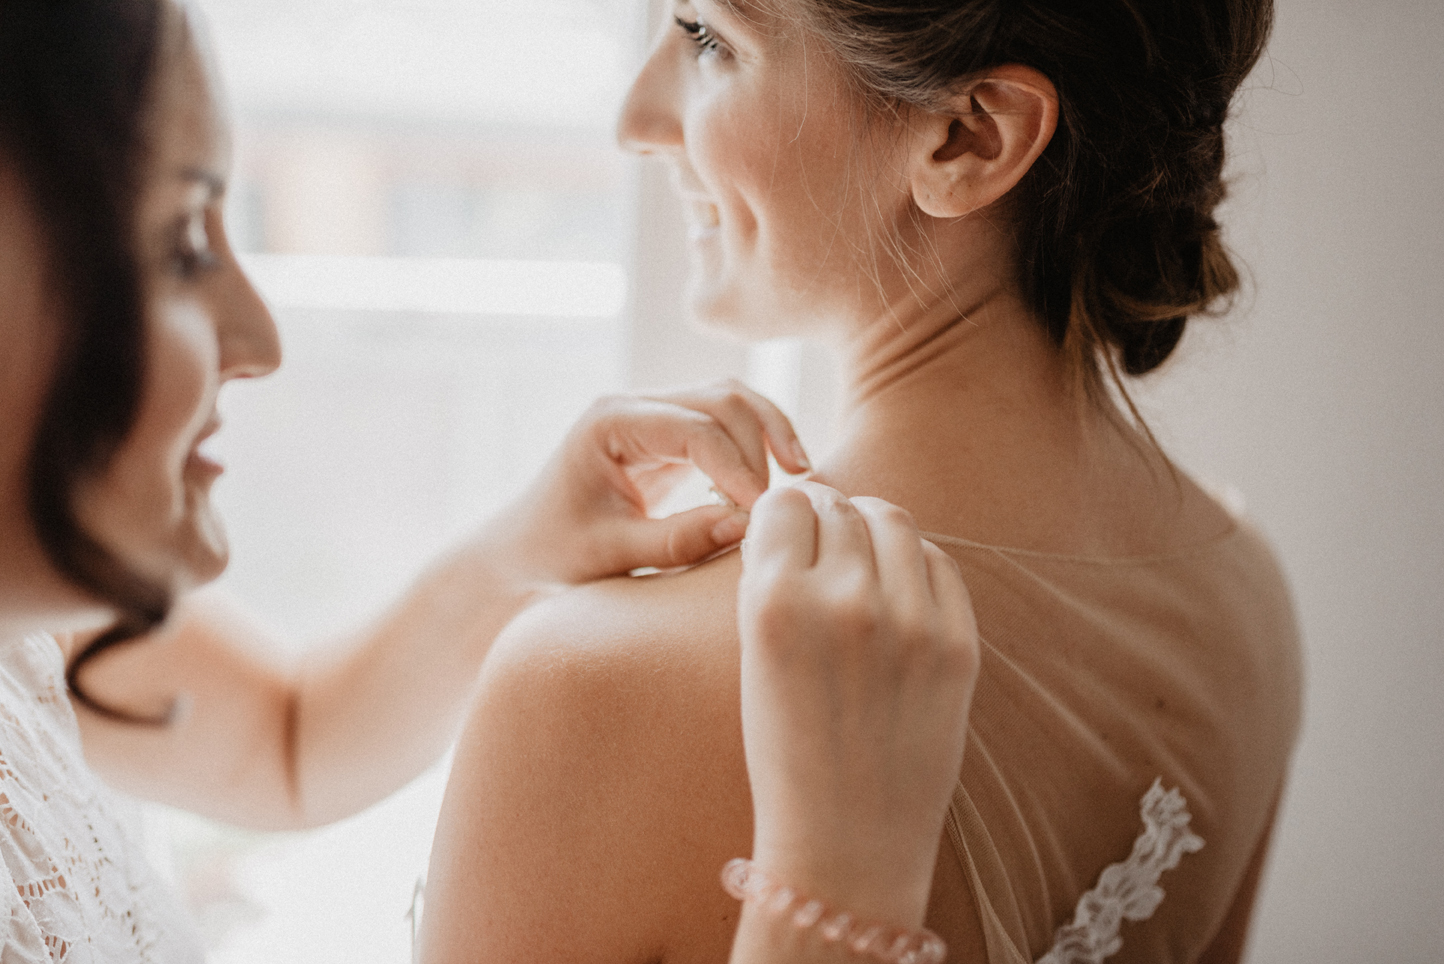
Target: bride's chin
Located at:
point(727, 314)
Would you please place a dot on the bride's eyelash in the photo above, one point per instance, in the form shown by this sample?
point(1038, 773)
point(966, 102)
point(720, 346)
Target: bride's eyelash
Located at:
point(191, 251)
point(705, 40)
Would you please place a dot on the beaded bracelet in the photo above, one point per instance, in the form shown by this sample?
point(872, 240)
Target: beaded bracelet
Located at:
point(746, 881)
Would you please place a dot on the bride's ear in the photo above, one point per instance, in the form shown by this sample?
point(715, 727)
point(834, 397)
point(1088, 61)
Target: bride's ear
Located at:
point(968, 155)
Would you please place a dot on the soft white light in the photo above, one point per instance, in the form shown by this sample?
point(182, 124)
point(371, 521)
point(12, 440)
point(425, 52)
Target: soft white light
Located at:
point(553, 289)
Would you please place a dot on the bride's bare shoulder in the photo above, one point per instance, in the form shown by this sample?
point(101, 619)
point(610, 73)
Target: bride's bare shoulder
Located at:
point(636, 617)
point(601, 771)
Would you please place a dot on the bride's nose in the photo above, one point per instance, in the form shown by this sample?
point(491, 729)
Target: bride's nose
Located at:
point(651, 119)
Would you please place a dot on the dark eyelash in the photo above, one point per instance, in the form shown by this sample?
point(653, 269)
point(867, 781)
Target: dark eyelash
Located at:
point(188, 259)
point(700, 35)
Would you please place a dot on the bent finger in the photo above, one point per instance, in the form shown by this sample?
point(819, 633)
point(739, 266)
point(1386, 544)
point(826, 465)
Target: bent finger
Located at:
point(950, 592)
point(647, 432)
point(782, 438)
point(682, 539)
point(782, 532)
point(902, 567)
point(758, 424)
point(843, 542)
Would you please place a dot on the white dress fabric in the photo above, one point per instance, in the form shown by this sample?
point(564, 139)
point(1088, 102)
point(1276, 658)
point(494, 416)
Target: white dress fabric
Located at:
point(75, 885)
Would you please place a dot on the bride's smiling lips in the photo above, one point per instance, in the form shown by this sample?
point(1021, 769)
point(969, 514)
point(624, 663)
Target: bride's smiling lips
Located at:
point(701, 211)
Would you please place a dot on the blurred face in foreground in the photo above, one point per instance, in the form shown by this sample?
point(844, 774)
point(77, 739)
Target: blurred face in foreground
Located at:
point(205, 325)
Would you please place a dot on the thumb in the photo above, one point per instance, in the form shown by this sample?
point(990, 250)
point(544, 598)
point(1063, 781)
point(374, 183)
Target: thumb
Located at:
point(678, 540)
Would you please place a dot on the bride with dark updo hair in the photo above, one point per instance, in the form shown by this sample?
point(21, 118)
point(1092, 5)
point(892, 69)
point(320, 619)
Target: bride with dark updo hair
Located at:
point(997, 214)
point(123, 313)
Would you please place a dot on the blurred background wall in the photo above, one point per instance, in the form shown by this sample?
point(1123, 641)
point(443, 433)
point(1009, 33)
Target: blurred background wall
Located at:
point(1323, 403)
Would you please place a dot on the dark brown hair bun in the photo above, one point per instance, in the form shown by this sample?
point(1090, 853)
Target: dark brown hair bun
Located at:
point(1117, 240)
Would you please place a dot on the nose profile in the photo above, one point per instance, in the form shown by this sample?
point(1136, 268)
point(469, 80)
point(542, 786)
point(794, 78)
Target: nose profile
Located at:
point(250, 346)
point(650, 121)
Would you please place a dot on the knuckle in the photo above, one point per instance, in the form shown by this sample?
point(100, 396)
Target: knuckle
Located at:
point(897, 516)
point(939, 557)
point(856, 613)
point(607, 404)
point(679, 548)
point(702, 426)
point(778, 498)
point(734, 402)
point(777, 610)
point(882, 508)
point(961, 659)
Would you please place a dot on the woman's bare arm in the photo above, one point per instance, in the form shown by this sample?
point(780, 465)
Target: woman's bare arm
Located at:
point(601, 784)
point(259, 743)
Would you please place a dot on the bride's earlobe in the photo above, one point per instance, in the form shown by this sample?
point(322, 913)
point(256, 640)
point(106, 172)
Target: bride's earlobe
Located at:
point(967, 157)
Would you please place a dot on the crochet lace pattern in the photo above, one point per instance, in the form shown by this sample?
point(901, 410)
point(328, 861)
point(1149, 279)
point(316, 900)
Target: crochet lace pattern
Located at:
point(1128, 890)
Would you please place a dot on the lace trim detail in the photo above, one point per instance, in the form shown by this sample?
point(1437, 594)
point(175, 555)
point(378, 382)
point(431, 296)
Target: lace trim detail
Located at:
point(74, 884)
point(1128, 890)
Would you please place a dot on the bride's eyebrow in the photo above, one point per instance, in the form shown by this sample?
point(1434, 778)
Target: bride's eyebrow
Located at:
point(748, 12)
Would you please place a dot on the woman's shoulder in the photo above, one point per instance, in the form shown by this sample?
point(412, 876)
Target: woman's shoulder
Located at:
point(601, 770)
point(684, 621)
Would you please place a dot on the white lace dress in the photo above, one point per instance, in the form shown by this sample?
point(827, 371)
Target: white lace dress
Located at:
point(75, 887)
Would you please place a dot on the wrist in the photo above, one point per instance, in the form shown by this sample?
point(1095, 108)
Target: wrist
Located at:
point(519, 552)
point(867, 872)
point(489, 580)
point(810, 923)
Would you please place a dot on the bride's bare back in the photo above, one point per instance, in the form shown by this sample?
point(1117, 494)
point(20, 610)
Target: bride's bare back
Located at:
point(601, 785)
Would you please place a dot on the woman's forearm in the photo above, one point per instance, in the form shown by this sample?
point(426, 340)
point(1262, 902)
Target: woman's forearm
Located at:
point(254, 740)
point(370, 717)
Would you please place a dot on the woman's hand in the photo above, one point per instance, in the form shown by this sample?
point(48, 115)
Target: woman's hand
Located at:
point(859, 656)
point(586, 517)
point(273, 745)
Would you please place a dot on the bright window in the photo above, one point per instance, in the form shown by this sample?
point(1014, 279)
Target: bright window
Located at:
point(428, 194)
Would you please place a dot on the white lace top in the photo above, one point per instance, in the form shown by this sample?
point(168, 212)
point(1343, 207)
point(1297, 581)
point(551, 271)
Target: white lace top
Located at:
point(74, 883)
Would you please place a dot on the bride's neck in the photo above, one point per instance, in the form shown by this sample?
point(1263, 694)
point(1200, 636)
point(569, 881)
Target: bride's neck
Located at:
point(967, 415)
point(971, 351)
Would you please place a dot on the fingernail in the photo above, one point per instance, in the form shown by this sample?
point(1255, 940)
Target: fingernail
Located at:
point(722, 498)
point(730, 529)
point(800, 455)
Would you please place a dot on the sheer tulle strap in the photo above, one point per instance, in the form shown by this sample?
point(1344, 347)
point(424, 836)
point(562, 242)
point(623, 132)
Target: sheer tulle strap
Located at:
point(1128, 890)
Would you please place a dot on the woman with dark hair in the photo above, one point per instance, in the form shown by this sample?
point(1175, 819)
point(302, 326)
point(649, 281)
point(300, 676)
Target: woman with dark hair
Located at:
point(996, 212)
point(123, 312)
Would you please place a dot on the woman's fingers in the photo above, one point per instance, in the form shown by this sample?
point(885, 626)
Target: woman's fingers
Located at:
point(782, 533)
point(754, 422)
point(646, 434)
point(678, 540)
point(587, 515)
point(898, 555)
point(860, 661)
point(844, 548)
point(950, 592)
